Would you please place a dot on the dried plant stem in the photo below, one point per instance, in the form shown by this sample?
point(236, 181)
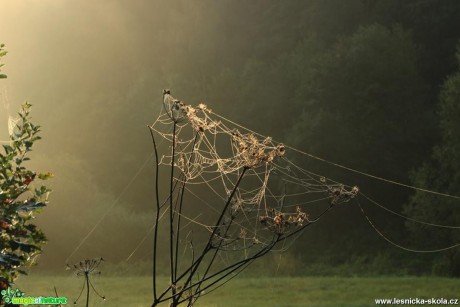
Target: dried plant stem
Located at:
point(87, 289)
point(157, 216)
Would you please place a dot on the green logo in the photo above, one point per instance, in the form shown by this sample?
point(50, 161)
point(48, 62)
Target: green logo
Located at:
point(9, 294)
point(16, 297)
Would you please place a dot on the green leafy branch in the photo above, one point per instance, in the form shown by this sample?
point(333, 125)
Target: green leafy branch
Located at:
point(22, 194)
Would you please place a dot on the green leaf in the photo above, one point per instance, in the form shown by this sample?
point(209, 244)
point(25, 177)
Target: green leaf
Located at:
point(24, 247)
point(45, 176)
point(8, 149)
point(30, 206)
point(9, 259)
point(31, 227)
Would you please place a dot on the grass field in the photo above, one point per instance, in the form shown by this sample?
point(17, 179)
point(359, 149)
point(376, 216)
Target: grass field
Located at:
point(264, 291)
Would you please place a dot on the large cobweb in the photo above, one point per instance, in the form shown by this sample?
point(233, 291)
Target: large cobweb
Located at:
point(273, 195)
point(256, 193)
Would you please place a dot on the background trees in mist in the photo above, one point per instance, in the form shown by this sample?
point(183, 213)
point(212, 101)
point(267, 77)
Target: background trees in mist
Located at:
point(356, 82)
point(441, 172)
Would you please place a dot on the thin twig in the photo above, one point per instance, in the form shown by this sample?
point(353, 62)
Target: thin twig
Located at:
point(171, 213)
point(157, 216)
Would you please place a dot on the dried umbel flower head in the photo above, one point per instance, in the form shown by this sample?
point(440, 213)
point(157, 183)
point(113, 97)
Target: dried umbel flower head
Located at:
point(280, 150)
point(280, 222)
point(298, 218)
point(86, 266)
point(339, 194)
point(255, 153)
point(278, 219)
point(203, 107)
point(173, 107)
point(198, 119)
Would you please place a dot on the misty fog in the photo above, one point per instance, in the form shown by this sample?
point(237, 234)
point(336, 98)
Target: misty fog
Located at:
point(350, 81)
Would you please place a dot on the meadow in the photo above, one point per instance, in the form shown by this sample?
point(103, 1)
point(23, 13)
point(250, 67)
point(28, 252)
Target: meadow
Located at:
point(250, 291)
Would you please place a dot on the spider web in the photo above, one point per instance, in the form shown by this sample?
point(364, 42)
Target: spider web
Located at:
point(262, 192)
point(12, 121)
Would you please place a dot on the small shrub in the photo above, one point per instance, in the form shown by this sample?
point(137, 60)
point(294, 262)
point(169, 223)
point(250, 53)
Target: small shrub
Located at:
point(21, 196)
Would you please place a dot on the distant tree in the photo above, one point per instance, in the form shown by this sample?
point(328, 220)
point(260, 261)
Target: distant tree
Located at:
point(441, 173)
point(361, 103)
point(364, 96)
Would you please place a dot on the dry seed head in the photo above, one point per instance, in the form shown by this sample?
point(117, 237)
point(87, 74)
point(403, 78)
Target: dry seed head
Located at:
point(280, 150)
